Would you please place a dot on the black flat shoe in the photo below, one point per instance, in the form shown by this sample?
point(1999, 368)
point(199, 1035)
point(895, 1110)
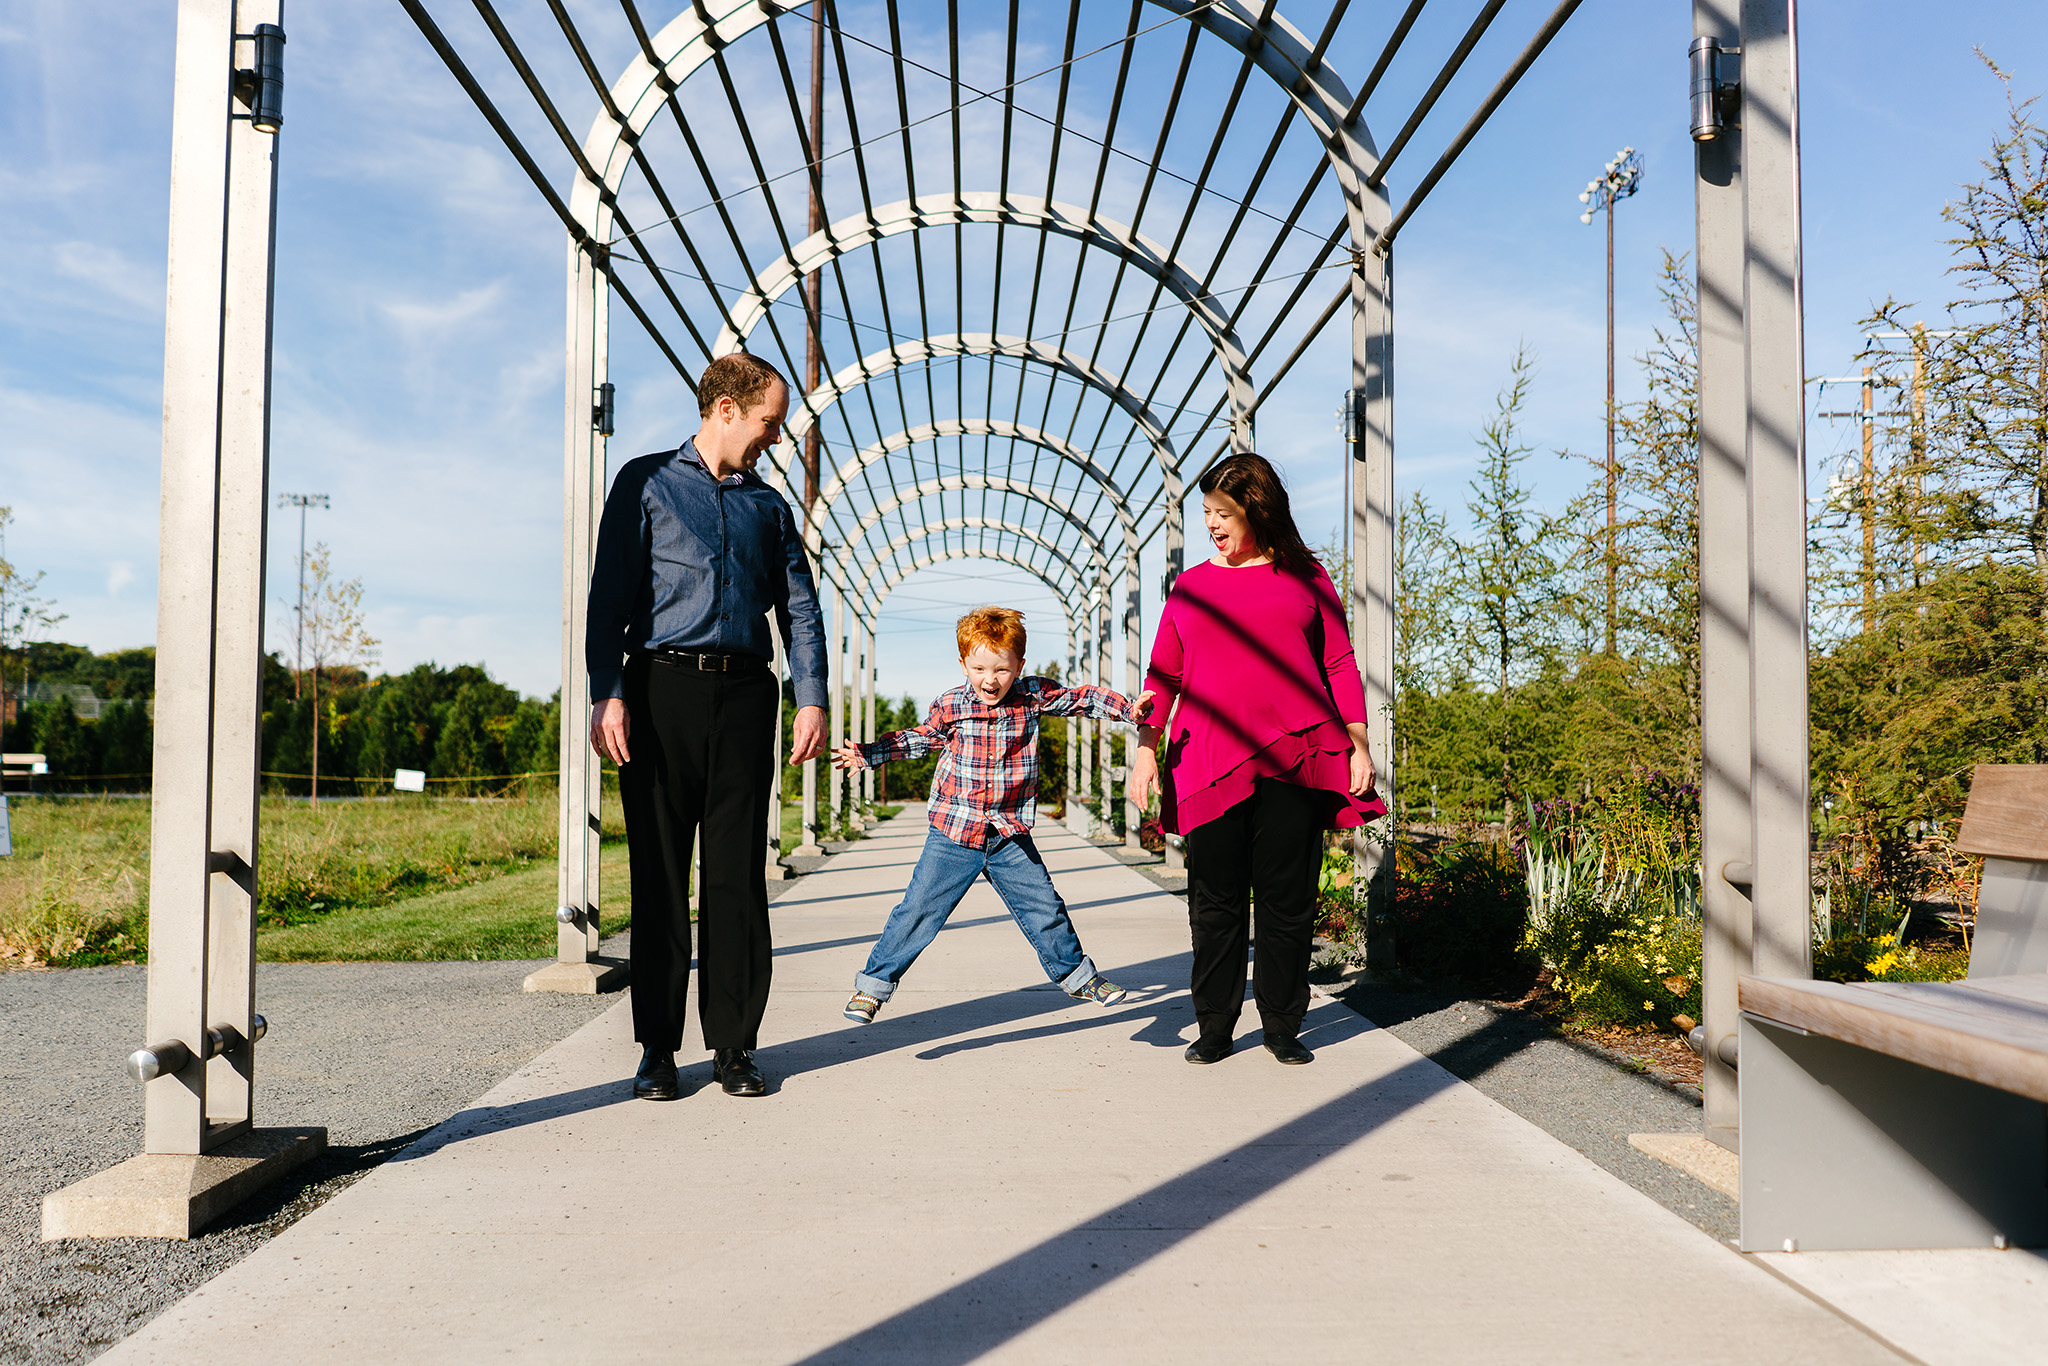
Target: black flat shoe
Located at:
point(1289, 1051)
point(733, 1068)
point(656, 1079)
point(1207, 1050)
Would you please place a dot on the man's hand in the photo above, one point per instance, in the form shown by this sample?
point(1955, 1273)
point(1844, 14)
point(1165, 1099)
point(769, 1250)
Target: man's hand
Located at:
point(848, 756)
point(808, 738)
point(1144, 776)
point(1143, 704)
point(609, 726)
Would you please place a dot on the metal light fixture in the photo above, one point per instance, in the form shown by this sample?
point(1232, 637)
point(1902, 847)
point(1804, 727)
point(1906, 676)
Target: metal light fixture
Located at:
point(261, 87)
point(1716, 88)
point(601, 412)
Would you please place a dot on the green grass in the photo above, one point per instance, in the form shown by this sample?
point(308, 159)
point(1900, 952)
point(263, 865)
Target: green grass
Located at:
point(509, 916)
point(77, 890)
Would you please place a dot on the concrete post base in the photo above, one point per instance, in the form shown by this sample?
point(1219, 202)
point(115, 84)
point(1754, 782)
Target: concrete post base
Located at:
point(171, 1195)
point(580, 979)
point(778, 873)
point(808, 851)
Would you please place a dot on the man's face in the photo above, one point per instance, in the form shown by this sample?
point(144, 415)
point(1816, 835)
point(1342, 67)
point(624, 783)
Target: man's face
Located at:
point(758, 427)
point(991, 672)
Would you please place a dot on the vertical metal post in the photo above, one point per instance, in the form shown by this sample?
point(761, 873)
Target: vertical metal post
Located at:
point(1611, 566)
point(1072, 797)
point(1105, 760)
point(210, 587)
point(1867, 497)
point(1724, 592)
point(1134, 683)
point(1781, 895)
point(1371, 458)
point(837, 733)
point(241, 539)
point(583, 470)
point(1083, 732)
point(868, 679)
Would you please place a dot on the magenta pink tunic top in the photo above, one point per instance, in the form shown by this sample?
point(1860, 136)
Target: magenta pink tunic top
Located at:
point(1260, 664)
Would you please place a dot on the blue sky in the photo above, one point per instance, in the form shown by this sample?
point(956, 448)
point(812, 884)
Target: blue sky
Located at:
point(419, 308)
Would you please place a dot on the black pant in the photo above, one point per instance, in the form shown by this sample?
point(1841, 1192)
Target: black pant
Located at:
point(702, 758)
point(1265, 855)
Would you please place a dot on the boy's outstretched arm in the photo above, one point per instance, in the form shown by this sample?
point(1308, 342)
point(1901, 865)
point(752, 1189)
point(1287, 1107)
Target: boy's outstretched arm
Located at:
point(1087, 699)
point(898, 744)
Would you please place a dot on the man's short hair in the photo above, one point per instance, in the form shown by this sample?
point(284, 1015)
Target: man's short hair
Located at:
point(745, 378)
point(998, 628)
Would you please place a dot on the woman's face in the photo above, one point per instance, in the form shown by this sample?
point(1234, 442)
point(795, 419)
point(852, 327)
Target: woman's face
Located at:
point(1228, 530)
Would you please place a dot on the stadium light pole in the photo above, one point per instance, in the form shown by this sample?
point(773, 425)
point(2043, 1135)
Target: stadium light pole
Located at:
point(302, 501)
point(1622, 177)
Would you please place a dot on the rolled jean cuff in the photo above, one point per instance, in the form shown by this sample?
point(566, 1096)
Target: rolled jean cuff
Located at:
point(876, 987)
point(1079, 977)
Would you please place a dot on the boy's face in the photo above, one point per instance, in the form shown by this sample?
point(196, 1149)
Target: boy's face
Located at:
point(991, 672)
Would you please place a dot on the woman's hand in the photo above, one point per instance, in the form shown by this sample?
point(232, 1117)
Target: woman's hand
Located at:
point(848, 756)
point(1144, 779)
point(1361, 762)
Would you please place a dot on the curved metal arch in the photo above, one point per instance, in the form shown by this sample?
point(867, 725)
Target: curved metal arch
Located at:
point(1099, 562)
point(1038, 572)
point(934, 210)
point(980, 426)
point(949, 483)
point(871, 367)
point(688, 41)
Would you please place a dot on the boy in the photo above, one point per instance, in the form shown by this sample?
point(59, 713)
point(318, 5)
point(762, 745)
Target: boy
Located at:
point(982, 804)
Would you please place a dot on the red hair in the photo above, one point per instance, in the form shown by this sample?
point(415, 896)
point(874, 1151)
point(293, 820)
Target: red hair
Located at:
point(998, 628)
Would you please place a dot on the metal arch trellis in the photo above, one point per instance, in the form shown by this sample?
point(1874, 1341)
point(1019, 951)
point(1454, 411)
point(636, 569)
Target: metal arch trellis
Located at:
point(1205, 214)
point(702, 43)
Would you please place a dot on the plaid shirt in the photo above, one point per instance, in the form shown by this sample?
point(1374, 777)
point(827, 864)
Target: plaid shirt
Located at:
point(988, 769)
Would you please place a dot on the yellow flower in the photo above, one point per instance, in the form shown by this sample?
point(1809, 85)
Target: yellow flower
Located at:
point(1648, 1006)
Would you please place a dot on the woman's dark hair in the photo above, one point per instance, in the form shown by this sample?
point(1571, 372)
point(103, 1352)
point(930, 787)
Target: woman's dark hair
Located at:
point(1252, 482)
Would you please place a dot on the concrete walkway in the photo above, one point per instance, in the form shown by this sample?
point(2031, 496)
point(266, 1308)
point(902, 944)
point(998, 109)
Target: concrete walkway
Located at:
point(994, 1172)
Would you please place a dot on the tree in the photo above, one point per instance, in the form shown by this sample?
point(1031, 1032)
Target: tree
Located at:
point(1507, 573)
point(23, 613)
point(335, 633)
point(1989, 383)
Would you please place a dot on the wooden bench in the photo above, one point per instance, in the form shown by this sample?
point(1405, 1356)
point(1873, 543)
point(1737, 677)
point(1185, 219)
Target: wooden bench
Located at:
point(1913, 1115)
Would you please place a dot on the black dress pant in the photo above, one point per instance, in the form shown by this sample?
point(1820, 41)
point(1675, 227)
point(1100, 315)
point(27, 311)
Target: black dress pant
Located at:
point(701, 745)
point(1263, 857)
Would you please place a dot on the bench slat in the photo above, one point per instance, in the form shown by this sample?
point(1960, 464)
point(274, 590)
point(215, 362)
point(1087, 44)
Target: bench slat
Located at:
point(2007, 815)
point(1995, 1036)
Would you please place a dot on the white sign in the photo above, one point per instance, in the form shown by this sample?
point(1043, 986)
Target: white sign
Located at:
point(409, 779)
point(6, 836)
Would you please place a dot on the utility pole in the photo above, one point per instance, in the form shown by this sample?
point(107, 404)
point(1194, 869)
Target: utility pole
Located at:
point(1622, 177)
point(1866, 484)
point(301, 501)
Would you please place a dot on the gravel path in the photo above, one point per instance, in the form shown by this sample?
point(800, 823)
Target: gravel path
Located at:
point(377, 1052)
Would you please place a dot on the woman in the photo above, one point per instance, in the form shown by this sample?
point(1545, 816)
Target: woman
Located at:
point(1254, 678)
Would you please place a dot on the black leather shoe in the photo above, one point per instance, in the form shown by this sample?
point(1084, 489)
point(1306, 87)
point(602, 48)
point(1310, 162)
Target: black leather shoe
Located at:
point(656, 1079)
point(1289, 1051)
point(1208, 1050)
point(733, 1068)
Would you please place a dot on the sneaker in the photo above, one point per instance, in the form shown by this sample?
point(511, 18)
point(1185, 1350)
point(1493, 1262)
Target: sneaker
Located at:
point(861, 1008)
point(1100, 990)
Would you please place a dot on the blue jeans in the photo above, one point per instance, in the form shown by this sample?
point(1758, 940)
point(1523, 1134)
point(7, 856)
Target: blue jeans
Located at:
point(944, 872)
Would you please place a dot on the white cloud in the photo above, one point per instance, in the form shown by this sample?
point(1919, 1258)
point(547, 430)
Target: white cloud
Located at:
point(110, 272)
point(119, 575)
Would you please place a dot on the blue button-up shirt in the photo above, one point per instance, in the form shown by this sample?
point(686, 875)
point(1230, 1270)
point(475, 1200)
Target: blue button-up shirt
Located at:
point(688, 562)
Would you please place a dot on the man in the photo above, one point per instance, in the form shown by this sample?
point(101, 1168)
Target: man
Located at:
point(693, 552)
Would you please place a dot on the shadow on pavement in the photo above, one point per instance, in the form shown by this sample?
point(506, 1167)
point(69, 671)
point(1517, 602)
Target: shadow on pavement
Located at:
point(981, 1313)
